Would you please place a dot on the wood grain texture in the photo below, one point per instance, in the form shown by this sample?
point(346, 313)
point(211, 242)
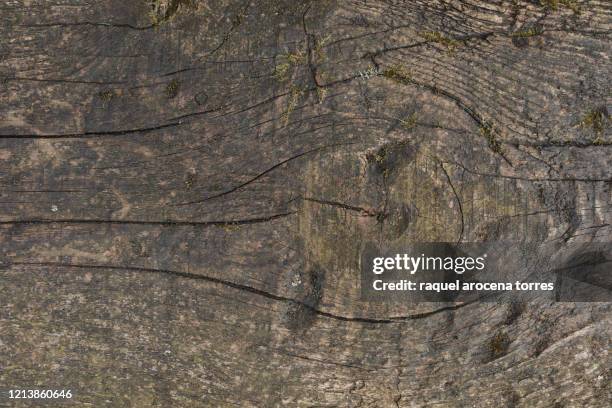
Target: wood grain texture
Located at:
point(187, 188)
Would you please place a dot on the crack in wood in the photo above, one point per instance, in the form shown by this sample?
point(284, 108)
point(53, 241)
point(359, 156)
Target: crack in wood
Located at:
point(260, 175)
point(247, 221)
point(86, 135)
point(259, 292)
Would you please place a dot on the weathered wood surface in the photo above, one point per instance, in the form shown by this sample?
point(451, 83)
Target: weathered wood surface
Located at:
point(187, 187)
